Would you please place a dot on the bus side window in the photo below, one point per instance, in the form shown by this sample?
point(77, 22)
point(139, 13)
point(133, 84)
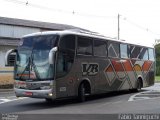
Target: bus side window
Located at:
point(100, 48)
point(113, 49)
point(144, 54)
point(66, 55)
point(151, 54)
point(135, 51)
point(124, 51)
point(84, 46)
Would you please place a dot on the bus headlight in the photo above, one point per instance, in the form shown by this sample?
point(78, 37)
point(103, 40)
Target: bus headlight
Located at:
point(50, 94)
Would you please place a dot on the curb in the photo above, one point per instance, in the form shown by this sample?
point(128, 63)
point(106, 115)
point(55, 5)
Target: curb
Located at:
point(7, 86)
point(6, 90)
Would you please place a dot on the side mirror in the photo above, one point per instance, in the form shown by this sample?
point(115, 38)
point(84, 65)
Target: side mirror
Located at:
point(52, 54)
point(7, 56)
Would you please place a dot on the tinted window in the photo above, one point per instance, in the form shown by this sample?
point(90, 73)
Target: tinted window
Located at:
point(124, 50)
point(39, 42)
point(144, 54)
point(135, 51)
point(27, 42)
point(151, 54)
point(84, 46)
point(64, 63)
point(113, 49)
point(100, 48)
point(66, 54)
point(68, 42)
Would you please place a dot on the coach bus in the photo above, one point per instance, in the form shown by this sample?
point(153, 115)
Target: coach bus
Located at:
point(61, 64)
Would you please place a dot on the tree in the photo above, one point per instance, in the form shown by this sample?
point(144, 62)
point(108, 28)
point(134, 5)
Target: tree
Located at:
point(157, 53)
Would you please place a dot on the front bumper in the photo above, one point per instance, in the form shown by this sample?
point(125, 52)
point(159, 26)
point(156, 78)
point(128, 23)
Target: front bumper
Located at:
point(35, 93)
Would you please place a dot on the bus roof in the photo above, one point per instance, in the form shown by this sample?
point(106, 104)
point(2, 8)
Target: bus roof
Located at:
point(82, 33)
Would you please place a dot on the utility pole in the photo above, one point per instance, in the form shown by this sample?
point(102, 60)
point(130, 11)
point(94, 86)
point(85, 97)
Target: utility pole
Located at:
point(118, 27)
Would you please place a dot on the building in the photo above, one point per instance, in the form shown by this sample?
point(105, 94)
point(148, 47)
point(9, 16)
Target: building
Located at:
point(11, 30)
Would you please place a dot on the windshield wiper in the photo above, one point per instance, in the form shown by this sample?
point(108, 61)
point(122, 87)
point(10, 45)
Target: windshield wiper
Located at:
point(28, 65)
point(28, 68)
point(34, 67)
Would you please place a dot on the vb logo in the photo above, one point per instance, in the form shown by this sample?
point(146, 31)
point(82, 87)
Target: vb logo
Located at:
point(90, 68)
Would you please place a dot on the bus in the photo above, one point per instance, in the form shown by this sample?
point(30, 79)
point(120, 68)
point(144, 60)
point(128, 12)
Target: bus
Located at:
point(62, 64)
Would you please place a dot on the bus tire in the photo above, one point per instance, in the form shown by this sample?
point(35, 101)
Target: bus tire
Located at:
point(139, 84)
point(81, 93)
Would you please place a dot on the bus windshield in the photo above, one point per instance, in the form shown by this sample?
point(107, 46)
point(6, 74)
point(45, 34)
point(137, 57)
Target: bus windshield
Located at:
point(32, 58)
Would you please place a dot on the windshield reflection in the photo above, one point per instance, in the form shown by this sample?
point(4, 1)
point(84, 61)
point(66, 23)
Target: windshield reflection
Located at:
point(32, 58)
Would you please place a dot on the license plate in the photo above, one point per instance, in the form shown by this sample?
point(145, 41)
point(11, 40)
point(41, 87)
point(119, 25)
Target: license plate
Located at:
point(28, 93)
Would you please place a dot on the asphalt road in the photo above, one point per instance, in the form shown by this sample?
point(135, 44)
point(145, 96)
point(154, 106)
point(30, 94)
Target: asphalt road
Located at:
point(107, 106)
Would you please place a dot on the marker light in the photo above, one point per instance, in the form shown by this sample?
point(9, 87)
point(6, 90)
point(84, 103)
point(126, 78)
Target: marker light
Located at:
point(50, 94)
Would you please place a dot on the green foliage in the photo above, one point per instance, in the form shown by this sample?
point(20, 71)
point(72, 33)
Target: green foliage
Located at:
point(157, 79)
point(157, 52)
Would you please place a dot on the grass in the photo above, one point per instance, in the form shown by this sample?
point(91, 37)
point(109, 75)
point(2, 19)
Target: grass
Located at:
point(157, 79)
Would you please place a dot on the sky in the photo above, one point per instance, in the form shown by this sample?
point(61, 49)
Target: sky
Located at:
point(139, 19)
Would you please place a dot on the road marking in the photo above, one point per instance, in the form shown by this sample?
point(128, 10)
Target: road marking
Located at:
point(9, 99)
point(145, 95)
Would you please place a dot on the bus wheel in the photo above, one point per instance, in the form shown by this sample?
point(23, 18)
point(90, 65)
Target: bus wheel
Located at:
point(81, 93)
point(139, 84)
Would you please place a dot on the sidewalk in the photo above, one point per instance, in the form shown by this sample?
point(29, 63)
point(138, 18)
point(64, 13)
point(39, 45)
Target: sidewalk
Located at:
point(5, 93)
point(155, 87)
